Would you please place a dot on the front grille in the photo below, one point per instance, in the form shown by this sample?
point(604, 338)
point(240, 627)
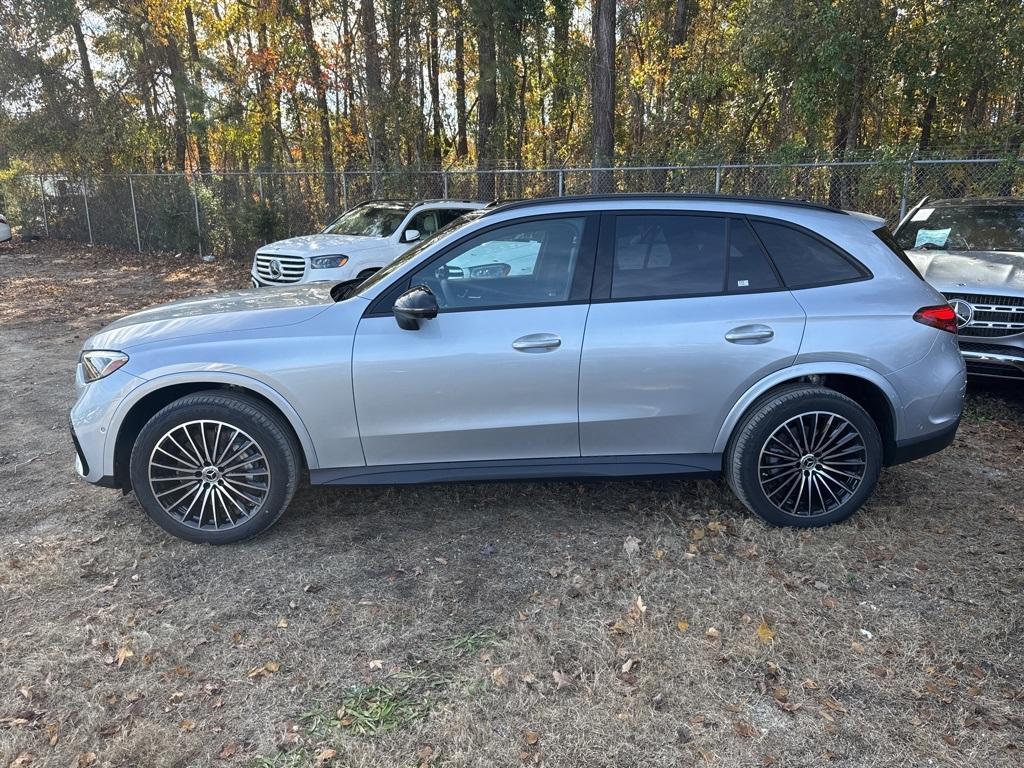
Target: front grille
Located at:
point(993, 315)
point(292, 268)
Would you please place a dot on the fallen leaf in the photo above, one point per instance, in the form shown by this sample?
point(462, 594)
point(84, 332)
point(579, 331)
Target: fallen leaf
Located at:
point(282, 623)
point(713, 633)
point(765, 633)
point(682, 625)
point(499, 677)
point(697, 534)
point(123, 654)
point(376, 664)
point(85, 759)
point(809, 685)
point(26, 692)
point(857, 647)
point(228, 751)
point(265, 669)
point(631, 546)
point(716, 527)
point(109, 587)
point(531, 737)
point(746, 730)
point(659, 554)
point(425, 753)
point(187, 725)
point(53, 729)
point(324, 756)
point(562, 680)
point(23, 759)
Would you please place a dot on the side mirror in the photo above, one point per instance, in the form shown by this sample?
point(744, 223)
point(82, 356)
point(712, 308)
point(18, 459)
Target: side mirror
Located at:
point(418, 303)
point(411, 235)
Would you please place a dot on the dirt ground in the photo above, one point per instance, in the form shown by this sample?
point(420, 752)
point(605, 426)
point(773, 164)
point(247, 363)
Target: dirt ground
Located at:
point(604, 624)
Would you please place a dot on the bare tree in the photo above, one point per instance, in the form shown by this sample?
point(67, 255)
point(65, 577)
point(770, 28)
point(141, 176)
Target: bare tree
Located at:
point(603, 99)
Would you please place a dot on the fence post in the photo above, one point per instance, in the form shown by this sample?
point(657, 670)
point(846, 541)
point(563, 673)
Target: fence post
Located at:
point(85, 198)
point(718, 179)
point(908, 171)
point(42, 196)
point(444, 183)
point(199, 226)
point(344, 190)
point(135, 215)
point(561, 182)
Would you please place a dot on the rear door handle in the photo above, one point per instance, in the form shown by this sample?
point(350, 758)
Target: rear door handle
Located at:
point(537, 342)
point(750, 334)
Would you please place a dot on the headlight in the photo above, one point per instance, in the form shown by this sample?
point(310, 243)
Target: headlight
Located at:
point(328, 262)
point(97, 363)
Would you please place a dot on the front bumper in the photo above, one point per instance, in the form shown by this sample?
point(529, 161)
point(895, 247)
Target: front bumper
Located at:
point(91, 416)
point(992, 360)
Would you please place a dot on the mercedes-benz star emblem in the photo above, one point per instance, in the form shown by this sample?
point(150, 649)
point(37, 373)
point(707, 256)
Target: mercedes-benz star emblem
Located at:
point(275, 269)
point(963, 310)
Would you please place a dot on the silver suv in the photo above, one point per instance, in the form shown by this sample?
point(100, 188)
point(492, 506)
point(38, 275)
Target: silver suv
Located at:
point(787, 346)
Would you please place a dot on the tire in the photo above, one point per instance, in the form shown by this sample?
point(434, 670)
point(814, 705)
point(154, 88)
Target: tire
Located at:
point(211, 431)
point(840, 456)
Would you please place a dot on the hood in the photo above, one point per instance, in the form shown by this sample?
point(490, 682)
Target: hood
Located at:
point(998, 272)
point(322, 245)
point(245, 310)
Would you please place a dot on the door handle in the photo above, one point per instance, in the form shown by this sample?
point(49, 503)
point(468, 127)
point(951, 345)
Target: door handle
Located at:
point(750, 334)
point(537, 342)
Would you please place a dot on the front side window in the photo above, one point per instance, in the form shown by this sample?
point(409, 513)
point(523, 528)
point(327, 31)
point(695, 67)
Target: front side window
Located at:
point(375, 220)
point(524, 263)
point(964, 228)
point(665, 255)
point(802, 260)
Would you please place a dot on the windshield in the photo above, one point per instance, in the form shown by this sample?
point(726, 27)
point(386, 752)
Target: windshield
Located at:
point(965, 228)
point(376, 220)
point(412, 253)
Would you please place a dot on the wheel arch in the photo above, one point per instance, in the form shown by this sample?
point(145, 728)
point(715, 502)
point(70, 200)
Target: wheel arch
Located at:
point(866, 387)
point(145, 401)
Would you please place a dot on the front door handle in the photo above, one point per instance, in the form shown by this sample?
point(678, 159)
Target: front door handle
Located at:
point(537, 342)
point(750, 334)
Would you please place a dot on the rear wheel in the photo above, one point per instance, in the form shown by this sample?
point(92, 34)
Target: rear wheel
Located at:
point(215, 467)
point(806, 456)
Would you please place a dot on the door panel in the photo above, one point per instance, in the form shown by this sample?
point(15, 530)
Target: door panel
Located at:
point(659, 376)
point(471, 385)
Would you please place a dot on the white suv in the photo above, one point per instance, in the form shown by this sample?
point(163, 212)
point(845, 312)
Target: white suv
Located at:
point(357, 243)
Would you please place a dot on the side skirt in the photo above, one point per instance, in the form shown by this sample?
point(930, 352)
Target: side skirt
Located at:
point(693, 465)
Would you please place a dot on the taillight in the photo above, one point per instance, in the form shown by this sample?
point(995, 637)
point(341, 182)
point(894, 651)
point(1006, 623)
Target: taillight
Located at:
point(942, 317)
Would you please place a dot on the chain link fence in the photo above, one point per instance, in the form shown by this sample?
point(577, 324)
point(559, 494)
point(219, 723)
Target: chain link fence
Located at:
point(233, 213)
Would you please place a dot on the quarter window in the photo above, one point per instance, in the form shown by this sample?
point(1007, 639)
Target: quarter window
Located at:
point(749, 269)
point(525, 263)
point(666, 255)
point(802, 260)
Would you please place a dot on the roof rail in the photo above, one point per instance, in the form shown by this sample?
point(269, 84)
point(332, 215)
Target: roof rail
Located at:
point(515, 204)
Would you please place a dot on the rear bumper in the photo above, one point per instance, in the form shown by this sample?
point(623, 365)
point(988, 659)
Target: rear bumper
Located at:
point(919, 447)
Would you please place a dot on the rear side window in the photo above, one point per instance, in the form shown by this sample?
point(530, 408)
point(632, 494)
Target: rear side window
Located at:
point(748, 267)
point(664, 255)
point(802, 260)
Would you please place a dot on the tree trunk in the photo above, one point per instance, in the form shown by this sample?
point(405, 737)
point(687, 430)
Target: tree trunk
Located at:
point(92, 95)
point(561, 18)
point(323, 111)
point(179, 80)
point(374, 92)
point(267, 101)
point(487, 100)
point(603, 99)
point(684, 12)
point(461, 142)
point(198, 95)
point(434, 67)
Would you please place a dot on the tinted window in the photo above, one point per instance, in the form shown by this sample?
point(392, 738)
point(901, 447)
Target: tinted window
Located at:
point(524, 263)
point(965, 228)
point(749, 269)
point(668, 256)
point(429, 221)
point(802, 260)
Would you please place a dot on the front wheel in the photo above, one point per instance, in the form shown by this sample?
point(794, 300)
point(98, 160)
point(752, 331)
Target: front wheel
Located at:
point(805, 457)
point(215, 467)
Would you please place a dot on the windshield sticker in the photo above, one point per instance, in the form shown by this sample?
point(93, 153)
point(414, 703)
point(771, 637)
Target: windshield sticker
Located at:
point(935, 237)
point(922, 214)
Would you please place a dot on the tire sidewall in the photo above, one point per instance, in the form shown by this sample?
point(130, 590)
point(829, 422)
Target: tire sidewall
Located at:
point(768, 417)
point(282, 471)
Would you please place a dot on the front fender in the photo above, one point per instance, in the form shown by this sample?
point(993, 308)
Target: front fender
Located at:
point(217, 377)
point(796, 372)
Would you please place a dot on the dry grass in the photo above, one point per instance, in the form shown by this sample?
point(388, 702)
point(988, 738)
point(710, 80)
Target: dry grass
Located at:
point(490, 624)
